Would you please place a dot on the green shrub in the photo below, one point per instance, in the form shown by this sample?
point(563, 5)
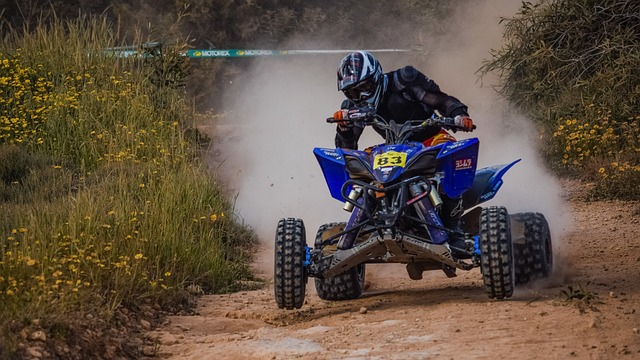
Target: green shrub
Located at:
point(22, 175)
point(561, 55)
point(600, 149)
point(579, 142)
point(574, 67)
point(104, 200)
point(618, 180)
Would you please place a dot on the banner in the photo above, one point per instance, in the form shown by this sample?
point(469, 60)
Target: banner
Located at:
point(223, 53)
point(153, 48)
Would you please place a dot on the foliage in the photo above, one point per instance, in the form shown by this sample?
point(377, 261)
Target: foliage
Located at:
point(581, 297)
point(104, 200)
point(598, 136)
point(22, 173)
point(574, 66)
point(561, 55)
point(263, 24)
point(618, 180)
point(604, 149)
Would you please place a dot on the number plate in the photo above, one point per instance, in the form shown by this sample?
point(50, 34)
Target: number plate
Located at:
point(390, 158)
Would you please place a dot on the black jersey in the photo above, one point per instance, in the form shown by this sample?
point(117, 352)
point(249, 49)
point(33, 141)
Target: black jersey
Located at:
point(408, 95)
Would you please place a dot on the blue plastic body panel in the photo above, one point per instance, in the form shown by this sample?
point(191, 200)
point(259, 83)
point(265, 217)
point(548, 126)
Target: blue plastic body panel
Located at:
point(495, 181)
point(458, 161)
point(389, 173)
point(333, 168)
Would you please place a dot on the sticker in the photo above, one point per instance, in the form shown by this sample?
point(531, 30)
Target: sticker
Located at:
point(390, 158)
point(331, 153)
point(463, 164)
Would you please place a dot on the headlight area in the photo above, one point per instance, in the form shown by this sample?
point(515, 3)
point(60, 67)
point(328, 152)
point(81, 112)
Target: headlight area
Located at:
point(357, 168)
point(423, 164)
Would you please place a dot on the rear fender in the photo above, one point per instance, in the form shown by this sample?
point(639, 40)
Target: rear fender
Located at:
point(486, 184)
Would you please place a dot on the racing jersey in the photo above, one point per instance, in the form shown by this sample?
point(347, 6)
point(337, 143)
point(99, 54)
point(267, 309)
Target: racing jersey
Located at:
point(408, 95)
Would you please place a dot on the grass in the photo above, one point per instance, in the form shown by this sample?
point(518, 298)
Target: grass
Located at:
point(581, 297)
point(105, 202)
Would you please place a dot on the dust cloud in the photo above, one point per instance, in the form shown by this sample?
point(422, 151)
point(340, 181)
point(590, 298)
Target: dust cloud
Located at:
point(277, 116)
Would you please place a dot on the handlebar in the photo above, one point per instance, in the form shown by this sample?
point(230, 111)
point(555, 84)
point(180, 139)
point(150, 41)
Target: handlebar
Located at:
point(394, 132)
point(369, 119)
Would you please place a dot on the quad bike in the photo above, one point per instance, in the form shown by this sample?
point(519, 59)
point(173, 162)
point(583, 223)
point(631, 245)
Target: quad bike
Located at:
point(393, 191)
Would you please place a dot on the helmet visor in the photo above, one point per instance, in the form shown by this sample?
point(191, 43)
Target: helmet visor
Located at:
point(362, 91)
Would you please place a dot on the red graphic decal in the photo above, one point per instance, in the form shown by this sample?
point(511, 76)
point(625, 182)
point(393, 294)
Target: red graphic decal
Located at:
point(462, 164)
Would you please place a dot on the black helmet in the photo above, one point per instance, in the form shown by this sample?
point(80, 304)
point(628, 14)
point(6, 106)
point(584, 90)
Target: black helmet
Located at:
point(360, 78)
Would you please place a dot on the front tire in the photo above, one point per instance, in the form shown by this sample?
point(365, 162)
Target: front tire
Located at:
point(344, 286)
point(496, 253)
point(290, 277)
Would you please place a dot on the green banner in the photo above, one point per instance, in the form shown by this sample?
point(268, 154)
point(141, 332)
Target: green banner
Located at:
point(152, 48)
point(222, 53)
point(201, 54)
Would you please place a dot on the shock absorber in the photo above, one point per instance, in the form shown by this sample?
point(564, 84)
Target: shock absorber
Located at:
point(418, 188)
point(435, 198)
point(426, 209)
point(354, 195)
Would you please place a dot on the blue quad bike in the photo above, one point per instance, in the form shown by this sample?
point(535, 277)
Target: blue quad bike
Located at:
point(393, 191)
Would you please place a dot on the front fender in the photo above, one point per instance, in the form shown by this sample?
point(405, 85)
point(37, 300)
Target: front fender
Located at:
point(333, 168)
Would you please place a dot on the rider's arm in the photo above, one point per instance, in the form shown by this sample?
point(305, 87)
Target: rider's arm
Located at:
point(348, 139)
point(427, 91)
point(347, 136)
point(445, 104)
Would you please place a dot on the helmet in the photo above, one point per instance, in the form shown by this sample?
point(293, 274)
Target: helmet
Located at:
point(360, 78)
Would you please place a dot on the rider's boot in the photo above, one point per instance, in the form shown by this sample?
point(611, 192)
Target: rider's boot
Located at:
point(451, 212)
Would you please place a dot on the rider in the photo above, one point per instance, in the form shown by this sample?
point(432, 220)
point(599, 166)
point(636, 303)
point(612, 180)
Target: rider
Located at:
point(401, 95)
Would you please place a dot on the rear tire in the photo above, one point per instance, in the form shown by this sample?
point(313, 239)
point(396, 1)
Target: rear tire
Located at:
point(496, 253)
point(344, 286)
point(290, 277)
point(534, 255)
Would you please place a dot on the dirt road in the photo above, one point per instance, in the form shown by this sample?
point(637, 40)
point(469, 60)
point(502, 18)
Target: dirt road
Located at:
point(589, 309)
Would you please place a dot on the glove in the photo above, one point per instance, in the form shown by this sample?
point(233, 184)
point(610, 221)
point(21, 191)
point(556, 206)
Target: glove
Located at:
point(464, 122)
point(343, 114)
point(351, 115)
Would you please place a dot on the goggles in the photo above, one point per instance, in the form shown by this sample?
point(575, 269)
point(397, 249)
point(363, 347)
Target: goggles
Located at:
point(362, 91)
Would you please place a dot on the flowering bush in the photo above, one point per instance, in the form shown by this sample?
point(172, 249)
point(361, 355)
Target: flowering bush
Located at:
point(602, 149)
point(618, 180)
point(103, 201)
point(26, 100)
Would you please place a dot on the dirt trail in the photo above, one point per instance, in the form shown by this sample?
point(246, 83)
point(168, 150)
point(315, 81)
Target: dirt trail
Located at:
point(441, 318)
